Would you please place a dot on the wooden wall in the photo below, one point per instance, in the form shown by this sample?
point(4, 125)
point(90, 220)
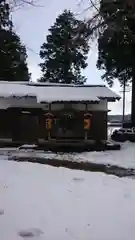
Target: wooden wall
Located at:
point(5, 128)
point(18, 124)
point(99, 125)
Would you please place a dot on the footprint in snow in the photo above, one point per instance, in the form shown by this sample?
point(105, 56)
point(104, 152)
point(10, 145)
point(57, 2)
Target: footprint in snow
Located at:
point(77, 179)
point(1, 212)
point(29, 233)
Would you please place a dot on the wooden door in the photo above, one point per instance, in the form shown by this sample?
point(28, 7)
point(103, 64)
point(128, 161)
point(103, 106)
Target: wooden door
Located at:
point(29, 128)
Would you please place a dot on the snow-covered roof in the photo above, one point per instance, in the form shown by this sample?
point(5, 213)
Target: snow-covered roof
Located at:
point(57, 92)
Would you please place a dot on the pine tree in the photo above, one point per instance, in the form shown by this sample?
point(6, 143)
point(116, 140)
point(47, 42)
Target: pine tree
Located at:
point(64, 53)
point(13, 57)
point(116, 44)
point(4, 15)
point(13, 65)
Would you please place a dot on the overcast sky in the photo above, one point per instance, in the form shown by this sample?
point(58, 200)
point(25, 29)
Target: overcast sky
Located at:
point(32, 24)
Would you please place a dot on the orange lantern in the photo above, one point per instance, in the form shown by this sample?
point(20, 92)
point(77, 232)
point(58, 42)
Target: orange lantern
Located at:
point(87, 121)
point(49, 123)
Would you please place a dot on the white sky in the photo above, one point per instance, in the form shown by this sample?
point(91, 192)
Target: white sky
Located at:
point(32, 24)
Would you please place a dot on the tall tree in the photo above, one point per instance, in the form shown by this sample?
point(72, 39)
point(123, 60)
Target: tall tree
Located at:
point(4, 15)
point(13, 57)
point(64, 53)
point(116, 44)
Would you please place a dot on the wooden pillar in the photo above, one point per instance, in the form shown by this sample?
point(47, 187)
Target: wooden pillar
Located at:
point(86, 132)
point(87, 122)
point(49, 119)
point(49, 133)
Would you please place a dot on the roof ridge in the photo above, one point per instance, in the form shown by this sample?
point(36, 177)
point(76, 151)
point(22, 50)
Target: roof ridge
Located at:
point(63, 85)
point(31, 83)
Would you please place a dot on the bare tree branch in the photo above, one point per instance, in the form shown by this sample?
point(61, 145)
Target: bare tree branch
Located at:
point(94, 5)
point(96, 23)
point(15, 4)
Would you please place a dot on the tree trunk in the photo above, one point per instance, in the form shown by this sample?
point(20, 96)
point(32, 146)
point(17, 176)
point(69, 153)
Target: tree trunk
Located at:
point(133, 102)
point(124, 93)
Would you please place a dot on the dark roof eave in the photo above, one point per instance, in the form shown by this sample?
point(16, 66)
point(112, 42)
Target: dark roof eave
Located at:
point(83, 101)
point(110, 99)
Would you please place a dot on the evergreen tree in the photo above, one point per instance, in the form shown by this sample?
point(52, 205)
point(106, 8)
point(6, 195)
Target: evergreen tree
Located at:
point(13, 64)
point(64, 53)
point(4, 15)
point(116, 44)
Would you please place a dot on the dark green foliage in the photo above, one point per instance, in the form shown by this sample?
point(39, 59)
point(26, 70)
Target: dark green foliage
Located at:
point(116, 43)
point(13, 65)
point(64, 53)
point(4, 15)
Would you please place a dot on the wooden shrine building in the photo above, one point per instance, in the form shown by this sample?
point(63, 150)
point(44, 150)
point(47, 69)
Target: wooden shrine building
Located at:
point(53, 113)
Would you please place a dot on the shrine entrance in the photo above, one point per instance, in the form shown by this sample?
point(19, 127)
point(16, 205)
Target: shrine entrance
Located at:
point(67, 126)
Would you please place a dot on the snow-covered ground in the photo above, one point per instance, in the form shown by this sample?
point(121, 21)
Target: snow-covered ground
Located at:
point(123, 158)
point(40, 202)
